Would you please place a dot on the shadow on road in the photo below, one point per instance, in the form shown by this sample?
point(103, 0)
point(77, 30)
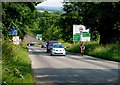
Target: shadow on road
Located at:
point(76, 76)
point(39, 53)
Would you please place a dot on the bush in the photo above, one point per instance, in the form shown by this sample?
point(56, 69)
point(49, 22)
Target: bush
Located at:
point(16, 64)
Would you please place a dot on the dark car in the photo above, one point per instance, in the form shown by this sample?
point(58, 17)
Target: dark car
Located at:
point(31, 43)
point(49, 44)
point(44, 44)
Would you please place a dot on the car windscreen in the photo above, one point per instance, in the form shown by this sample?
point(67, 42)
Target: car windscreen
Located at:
point(44, 43)
point(58, 46)
point(51, 43)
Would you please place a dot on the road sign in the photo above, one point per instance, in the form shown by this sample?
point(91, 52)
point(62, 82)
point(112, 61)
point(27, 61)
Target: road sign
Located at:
point(14, 31)
point(86, 34)
point(39, 36)
point(76, 37)
point(80, 33)
point(78, 29)
point(16, 40)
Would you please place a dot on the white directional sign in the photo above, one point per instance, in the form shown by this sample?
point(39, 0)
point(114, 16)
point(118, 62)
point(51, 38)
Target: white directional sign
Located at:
point(80, 33)
point(78, 28)
point(16, 40)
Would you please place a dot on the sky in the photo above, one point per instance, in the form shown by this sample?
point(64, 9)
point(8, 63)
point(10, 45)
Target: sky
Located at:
point(51, 3)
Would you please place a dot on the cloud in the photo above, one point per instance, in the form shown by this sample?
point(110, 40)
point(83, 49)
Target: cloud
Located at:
point(51, 3)
point(54, 1)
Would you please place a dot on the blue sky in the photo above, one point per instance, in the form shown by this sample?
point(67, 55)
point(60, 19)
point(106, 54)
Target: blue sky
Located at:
point(51, 3)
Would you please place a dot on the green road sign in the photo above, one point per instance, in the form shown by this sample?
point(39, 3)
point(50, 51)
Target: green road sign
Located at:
point(85, 34)
point(39, 36)
point(76, 37)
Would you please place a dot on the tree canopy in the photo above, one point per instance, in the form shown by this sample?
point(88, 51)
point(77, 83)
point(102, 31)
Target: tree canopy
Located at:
point(49, 25)
point(101, 18)
point(19, 14)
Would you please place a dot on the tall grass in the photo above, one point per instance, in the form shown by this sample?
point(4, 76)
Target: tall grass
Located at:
point(16, 65)
point(109, 52)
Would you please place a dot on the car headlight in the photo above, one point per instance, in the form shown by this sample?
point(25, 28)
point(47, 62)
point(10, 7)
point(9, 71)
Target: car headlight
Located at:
point(63, 50)
point(53, 49)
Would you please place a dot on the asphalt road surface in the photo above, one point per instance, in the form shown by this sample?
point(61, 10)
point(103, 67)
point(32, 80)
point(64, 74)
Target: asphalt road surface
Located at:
point(72, 69)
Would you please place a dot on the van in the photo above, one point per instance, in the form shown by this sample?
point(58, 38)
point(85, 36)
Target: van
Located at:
point(49, 45)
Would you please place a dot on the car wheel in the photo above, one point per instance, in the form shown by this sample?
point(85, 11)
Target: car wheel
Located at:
point(47, 51)
point(50, 54)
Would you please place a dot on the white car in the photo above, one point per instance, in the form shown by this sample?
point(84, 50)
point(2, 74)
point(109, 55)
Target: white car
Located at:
point(58, 49)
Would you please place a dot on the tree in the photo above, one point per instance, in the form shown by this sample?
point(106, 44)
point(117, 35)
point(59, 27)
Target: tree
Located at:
point(49, 25)
point(101, 17)
point(22, 15)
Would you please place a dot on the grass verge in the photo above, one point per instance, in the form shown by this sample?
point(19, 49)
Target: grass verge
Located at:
point(109, 52)
point(16, 64)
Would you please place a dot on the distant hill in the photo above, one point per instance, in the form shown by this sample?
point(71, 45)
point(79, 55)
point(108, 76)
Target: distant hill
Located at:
point(50, 9)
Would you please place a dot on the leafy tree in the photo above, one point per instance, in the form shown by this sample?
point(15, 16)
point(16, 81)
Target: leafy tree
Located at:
point(49, 25)
point(101, 17)
point(22, 15)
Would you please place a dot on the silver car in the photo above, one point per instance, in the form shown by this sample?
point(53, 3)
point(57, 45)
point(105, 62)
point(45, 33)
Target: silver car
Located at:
point(57, 49)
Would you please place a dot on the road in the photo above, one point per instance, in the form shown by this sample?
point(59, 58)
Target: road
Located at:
point(71, 69)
